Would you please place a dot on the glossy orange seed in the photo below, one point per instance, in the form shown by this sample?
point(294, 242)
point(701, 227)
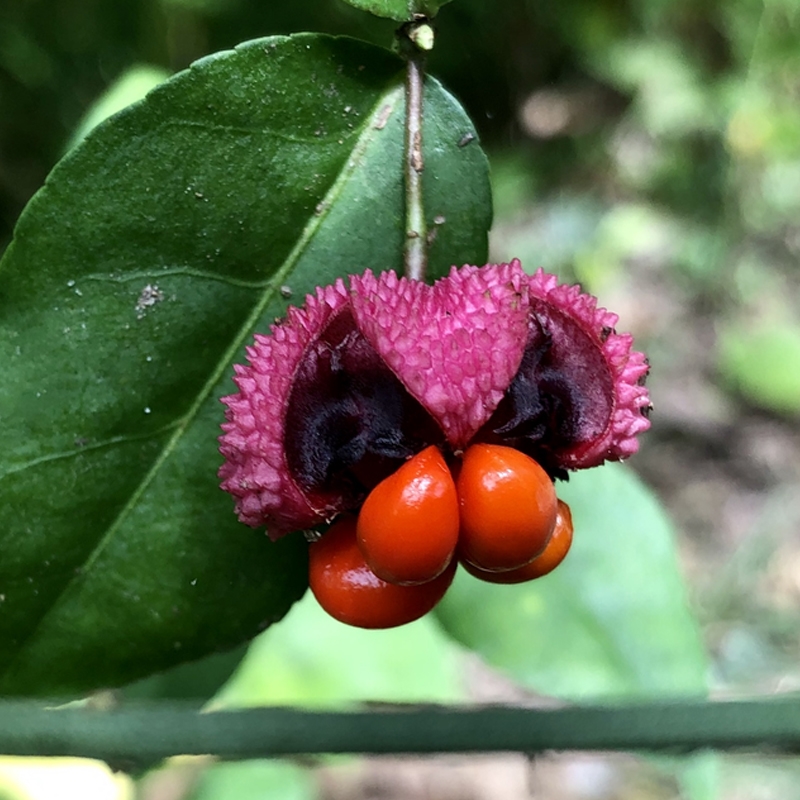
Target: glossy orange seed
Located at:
point(350, 592)
point(552, 555)
point(408, 526)
point(508, 508)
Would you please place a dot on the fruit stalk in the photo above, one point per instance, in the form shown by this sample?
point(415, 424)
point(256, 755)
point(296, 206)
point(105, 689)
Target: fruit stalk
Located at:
point(415, 256)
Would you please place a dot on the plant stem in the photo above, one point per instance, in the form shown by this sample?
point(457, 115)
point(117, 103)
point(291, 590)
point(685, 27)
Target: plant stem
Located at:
point(146, 734)
point(415, 256)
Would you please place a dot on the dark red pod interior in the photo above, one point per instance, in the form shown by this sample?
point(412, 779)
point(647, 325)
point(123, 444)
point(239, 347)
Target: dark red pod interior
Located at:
point(561, 397)
point(350, 421)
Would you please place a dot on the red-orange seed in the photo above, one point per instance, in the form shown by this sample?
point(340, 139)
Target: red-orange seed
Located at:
point(350, 592)
point(508, 508)
point(552, 555)
point(408, 526)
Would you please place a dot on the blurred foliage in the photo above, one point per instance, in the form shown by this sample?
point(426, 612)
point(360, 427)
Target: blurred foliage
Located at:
point(255, 780)
point(663, 133)
point(579, 632)
point(762, 361)
point(400, 10)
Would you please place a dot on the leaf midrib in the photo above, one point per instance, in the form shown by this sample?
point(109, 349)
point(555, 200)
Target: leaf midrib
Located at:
point(369, 129)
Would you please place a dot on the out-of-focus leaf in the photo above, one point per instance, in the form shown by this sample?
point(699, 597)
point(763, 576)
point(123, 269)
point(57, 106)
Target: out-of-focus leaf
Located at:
point(670, 96)
point(763, 363)
point(698, 775)
point(611, 620)
point(129, 88)
point(255, 780)
point(766, 777)
point(401, 10)
point(136, 277)
point(313, 660)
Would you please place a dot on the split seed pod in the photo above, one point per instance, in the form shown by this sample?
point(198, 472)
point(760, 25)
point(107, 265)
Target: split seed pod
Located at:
point(370, 371)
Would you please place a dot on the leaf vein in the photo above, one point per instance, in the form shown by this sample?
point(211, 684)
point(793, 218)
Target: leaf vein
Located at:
point(276, 132)
point(14, 469)
point(154, 275)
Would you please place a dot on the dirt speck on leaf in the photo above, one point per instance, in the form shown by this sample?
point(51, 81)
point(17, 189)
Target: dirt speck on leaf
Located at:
point(149, 296)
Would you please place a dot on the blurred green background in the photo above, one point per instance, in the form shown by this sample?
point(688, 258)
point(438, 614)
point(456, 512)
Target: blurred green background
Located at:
point(647, 148)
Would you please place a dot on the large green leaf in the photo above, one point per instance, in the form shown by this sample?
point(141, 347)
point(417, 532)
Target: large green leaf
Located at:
point(400, 10)
point(611, 620)
point(136, 277)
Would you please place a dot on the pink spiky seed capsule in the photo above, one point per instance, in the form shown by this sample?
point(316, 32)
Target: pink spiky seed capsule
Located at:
point(366, 374)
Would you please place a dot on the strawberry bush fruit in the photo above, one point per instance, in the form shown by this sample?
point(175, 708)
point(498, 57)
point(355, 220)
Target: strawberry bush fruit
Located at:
point(440, 415)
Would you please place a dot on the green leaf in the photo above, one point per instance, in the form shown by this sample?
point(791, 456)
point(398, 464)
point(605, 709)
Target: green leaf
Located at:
point(313, 660)
point(611, 620)
point(400, 10)
point(763, 362)
point(255, 780)
point(137, 275)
